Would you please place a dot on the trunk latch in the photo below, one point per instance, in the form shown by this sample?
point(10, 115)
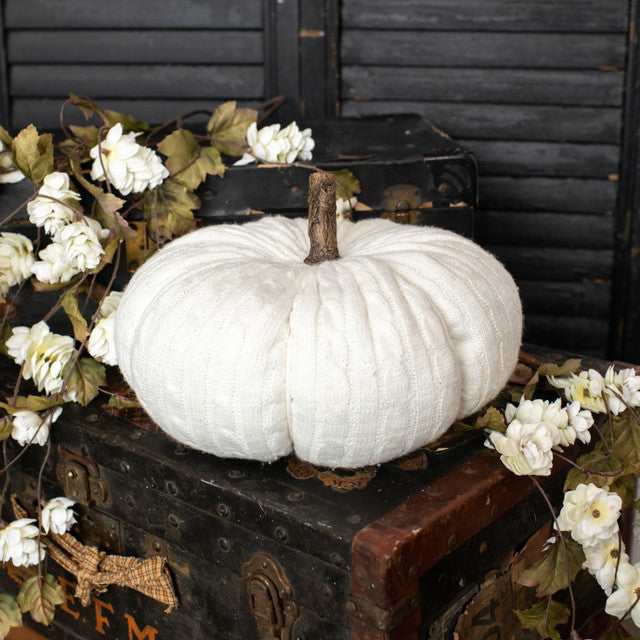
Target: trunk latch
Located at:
point(270, 596)
point(79, 484)
point(401, 203)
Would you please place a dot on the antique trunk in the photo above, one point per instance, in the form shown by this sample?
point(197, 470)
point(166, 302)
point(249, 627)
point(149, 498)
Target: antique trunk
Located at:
point(424, 547)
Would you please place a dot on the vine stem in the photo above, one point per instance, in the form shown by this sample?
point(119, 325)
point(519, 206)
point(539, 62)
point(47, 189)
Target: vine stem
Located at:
point(564, 547)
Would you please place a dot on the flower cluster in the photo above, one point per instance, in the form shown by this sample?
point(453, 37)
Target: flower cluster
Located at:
point(43, 355)
point(128, 166)
point(19, 539)
point(272, 144)
point(19, 543)
point(534, 429)
point(618, 389)
point(33, 427)
point(16, 259)
point(55, 205)
point(101, 343)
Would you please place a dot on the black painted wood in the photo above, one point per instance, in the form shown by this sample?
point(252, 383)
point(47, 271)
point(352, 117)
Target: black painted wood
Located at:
point(45, 111)
point(474, 120)
point(578, 299)
point(551, 159)
point(548, 194)
point(137, 81)
point(4, 82)
point(140, 14)
point(477, 49)
point(553, 264)
point(135, 46)
point(531, 86)
point(589, 334)
point(489, 15)
point(540, 229)
point(625, 311)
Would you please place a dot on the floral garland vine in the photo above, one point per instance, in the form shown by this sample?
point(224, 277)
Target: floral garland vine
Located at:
point(529, 435)
point(84, 197)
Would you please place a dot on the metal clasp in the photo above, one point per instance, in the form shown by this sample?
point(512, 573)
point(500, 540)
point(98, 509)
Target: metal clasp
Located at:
point(270, 596)
point(80, 485)
point(401, 202)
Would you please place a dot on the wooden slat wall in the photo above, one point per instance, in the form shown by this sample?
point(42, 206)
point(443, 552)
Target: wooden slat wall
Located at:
point(535, 88)
point(155, 59)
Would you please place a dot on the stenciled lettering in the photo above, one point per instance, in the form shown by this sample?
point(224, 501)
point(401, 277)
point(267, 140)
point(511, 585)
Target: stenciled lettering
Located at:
point(68, 597)
point(148, 633)
point(101, 620)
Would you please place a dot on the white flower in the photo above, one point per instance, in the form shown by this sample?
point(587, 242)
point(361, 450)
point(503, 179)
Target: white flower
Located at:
point(101, 344)
point(627, 384)
point(18, 543)
point(627, 593)
point(591, 389)
point(602, 559)
point(525, 448)
point(271, 144)
point(29, 426)
point(81, 243)
point(53, 267)
point(9, 172)
point(16, 258)
point(53, 207)
point(44, 354)
point(580, 422)
point(75, 248)
point(590, 514)
point(583, 388)
point(130, 167)
point(57, 515)
point(344, 206)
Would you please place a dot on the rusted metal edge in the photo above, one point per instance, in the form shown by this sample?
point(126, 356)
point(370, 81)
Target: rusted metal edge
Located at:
point(383, 619)
point(390, 554)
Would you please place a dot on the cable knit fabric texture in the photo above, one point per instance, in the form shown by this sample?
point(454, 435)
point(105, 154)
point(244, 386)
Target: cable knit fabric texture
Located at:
point(236, 347)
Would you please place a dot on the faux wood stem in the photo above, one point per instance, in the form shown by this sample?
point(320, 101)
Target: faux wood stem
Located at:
point(322, 219)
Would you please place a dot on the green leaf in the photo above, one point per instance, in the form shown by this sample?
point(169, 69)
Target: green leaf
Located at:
point(348, 185)
point(228, 128)
point(492, 419)
point(189, 163)
point(568, 366)
point(56, 286)
point(85, 379)
point(69, 303)
point(6, 427)
point(5, 138)
point(119, 401)
point(129, 123)
point(169, 209)
point(549, 573)
point(87, 106)
point(600, 460)
point(550, 369)
point(93, 189)
point(10, 615)
point(32, 403)
point(544, 623)
point(625, 434)
point(33, 154)
point(39, 596)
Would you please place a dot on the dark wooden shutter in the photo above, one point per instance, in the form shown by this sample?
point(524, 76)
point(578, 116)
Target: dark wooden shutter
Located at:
point(535, 89)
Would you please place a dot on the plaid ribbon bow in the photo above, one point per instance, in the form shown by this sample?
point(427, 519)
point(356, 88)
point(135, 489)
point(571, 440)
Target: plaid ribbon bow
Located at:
point(95, 570)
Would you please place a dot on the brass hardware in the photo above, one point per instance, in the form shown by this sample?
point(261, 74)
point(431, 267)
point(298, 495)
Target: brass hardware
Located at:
point(270, 596)
point(401, 202)
point(79, 485)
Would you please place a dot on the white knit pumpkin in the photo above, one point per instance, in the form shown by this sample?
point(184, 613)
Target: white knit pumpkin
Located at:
point(236, 347)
